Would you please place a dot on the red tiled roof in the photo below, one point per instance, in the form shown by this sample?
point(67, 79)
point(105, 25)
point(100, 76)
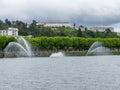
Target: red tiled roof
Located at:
point(55, 22)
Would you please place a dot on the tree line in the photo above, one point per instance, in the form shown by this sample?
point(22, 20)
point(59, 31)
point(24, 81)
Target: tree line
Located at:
point(39, 30)
point(63, 43)
point(71, 43)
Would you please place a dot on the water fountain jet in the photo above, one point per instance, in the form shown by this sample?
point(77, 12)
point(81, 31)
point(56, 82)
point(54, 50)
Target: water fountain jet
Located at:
point(18, 49)
point(97, 48)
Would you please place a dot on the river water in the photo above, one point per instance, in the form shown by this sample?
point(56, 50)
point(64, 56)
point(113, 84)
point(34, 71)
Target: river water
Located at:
point(63, 73)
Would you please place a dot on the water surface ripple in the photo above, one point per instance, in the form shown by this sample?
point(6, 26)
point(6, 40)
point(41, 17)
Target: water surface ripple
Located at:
point(63, 73)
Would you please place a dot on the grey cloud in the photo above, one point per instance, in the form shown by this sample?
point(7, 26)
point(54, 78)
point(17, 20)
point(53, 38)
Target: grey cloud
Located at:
point(89, 12)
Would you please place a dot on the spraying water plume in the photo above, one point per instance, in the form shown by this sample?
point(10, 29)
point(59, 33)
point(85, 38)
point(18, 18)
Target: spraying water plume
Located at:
point(97, 48)
point(18, 49)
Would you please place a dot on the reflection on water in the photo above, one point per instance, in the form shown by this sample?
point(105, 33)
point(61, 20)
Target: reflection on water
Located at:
point(68, 73)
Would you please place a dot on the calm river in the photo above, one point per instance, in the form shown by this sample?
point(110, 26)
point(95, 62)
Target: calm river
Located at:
point(60, 73)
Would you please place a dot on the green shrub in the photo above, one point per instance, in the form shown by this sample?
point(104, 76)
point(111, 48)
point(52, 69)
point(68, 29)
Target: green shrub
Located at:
point(74, 43)
point(4, 40)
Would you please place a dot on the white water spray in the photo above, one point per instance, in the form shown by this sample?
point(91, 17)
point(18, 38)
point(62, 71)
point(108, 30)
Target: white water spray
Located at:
point(20, 49)
point(97, 48)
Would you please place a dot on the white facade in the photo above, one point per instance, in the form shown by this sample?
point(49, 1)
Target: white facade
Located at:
point(101, 29)
point(118, 33)
point(9, 32)
point(55, 24)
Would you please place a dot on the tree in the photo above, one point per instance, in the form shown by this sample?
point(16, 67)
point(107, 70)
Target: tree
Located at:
point(7, 22)
point(79, 34)
point(3, 25)
point(23, 30)
point(108, 33)
point(89, 34)
point(74, 25)
point(34, 29)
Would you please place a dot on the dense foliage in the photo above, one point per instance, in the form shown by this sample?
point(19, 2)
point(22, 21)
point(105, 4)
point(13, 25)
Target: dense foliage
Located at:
point(5, 40)
point(63, 43)
point(71, 43)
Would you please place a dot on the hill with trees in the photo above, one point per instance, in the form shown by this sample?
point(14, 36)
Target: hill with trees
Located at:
point(40, 30)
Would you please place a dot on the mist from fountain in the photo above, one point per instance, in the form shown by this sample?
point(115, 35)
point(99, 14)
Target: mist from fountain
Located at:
point(57, 54)
point(97, 48)
point(19, 49)
point(26, 45)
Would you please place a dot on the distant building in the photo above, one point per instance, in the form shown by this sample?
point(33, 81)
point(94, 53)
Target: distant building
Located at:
point(9, 32)
point(118, 33)
point(101, 29)
point(55, 24)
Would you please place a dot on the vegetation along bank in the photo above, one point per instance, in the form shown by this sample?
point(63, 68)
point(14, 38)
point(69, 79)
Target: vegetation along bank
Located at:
point(78, 44)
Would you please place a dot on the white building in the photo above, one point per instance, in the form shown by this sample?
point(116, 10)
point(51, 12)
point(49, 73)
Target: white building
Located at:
point(55, 24)
point(101, 29)
point(118, 33)
point(9, 32)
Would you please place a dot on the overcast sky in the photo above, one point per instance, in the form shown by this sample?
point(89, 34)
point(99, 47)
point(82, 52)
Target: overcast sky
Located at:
point(85, 12)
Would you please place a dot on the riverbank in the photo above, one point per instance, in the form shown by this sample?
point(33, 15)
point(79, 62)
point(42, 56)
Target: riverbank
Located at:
point(45, 53)
point(49, 52)
point(66, 53)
